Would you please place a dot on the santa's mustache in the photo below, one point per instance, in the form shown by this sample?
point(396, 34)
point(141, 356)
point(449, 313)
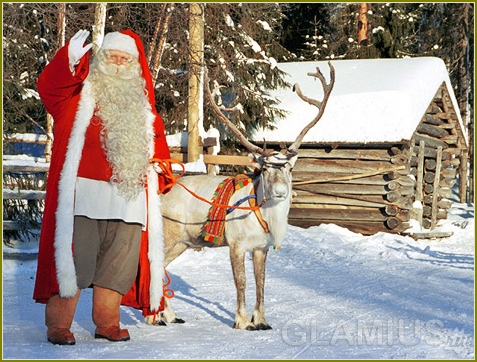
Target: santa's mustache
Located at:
point(122, 71)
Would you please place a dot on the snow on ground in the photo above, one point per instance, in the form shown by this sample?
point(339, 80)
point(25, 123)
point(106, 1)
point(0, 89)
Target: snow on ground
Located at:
point(329, 294)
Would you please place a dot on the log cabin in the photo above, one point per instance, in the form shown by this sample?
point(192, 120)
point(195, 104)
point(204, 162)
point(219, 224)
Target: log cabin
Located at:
point(388, 152)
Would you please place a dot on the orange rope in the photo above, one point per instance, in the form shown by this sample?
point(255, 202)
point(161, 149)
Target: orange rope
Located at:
point(168, 293)
point(166, 168)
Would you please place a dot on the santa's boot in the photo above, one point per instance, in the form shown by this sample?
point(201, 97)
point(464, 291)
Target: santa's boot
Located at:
point(59, 314)
point(106, 303)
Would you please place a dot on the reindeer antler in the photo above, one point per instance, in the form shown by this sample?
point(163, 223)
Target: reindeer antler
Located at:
point(321, 105)
point(243, 140)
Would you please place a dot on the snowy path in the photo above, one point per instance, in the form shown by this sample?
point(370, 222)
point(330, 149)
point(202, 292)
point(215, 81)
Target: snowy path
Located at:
point(329, 294)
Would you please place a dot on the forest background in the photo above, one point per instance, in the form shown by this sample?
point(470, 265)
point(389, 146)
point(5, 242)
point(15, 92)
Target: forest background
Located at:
point(242, 43)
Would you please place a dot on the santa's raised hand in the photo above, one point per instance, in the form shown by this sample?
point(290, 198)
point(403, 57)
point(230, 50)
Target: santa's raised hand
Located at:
point(76, 48)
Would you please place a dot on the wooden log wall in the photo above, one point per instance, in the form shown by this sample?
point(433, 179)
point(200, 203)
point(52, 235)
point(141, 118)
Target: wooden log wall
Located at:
point(372, 189)
point(436, 156)
point(366, 190)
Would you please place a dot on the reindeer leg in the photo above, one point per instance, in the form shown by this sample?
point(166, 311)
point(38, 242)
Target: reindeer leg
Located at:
point(259, 257)
point(237, 258)
point(168, 315)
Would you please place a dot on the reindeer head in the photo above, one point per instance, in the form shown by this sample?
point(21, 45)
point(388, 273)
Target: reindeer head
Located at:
point(275, 167)
point(275, 174)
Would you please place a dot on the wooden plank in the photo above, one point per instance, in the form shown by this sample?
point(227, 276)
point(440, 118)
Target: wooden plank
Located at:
point(328, 214)
point(431, 153)
point(420, 170)
point(27, 138)
point(444, 204)
point(178, 156)
point(444, 192)
point(401, 202)
point(432, 130)
point(324, 177)
point(449, 173)
point(430, 141)
point(451, 126)
point(306, 198)
point(444, 115)
point(11, 225)
point(454, 162)
point(451, 139)
point(430, 235)
point(345, 166)
point(463, 178)
point(432, 119)
point(350, 154)
point(433, 108)
point(353, 189)
point(216, 159)
point(456, 151)
point(23, 194)
point(365, 228)
point(23, 168)
point(436, 186)
point(227, 160)
point(320, 177)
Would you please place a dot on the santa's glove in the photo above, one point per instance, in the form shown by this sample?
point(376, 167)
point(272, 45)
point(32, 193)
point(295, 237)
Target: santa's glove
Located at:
point(76, 48)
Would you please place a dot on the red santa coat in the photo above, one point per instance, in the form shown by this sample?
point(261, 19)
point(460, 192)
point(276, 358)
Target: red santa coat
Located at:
point(69, 100)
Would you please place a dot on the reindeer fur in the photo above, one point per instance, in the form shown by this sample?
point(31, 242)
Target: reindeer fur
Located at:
point(184, 216)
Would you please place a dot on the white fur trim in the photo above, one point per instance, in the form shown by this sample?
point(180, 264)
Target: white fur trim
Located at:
point(65, 268)
point(154, 221)
point(120, 41)
point(155, 242)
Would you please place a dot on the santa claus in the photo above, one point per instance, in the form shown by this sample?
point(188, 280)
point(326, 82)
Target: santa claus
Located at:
point(102, 226)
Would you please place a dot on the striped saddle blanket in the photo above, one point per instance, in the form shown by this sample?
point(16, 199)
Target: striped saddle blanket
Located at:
point(214, 227)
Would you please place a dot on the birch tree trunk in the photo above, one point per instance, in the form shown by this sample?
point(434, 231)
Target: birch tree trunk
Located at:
point(160, 35)
point(195, 108)
point(363, 24)
point(98, 26)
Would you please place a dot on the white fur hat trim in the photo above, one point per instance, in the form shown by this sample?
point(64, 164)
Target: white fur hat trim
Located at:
point(120, 41)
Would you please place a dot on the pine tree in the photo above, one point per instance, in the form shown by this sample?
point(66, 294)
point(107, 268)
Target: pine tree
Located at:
point(241, 53)
point(306, 31)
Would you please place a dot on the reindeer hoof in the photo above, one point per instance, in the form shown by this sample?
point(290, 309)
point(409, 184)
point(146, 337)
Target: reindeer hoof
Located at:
point(178, 320)
point(250, 327)
point(160, 322)
point(263, 326)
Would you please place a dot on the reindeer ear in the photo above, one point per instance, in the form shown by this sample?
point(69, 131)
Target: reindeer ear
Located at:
point(254, 159)
point(293, 160)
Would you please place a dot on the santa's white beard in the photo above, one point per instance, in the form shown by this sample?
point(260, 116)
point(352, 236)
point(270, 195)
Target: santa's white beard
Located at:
point(122, 71)
point(122, 106)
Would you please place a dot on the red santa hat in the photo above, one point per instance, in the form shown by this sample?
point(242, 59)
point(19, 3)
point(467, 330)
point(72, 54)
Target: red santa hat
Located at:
point(120, 41)
point(146, 73)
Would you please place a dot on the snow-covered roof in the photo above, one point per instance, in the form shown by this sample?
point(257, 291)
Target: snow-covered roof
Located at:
point(373, 100)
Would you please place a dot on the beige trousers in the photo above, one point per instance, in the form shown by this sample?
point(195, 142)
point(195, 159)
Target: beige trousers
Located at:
point(106, 253)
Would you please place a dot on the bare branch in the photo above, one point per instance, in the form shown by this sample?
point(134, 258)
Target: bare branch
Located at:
point(327, 88)
point(243, 140)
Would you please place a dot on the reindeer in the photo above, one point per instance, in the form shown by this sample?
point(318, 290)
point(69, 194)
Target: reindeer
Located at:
point(245, 230)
